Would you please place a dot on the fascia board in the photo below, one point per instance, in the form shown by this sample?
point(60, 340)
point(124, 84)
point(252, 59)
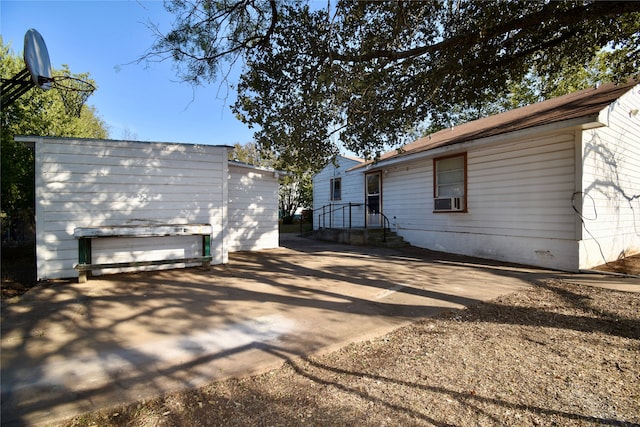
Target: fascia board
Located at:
point(586, 122)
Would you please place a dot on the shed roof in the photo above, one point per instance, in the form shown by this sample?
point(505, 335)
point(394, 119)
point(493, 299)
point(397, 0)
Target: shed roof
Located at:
point(276, 173)
point(587, 102)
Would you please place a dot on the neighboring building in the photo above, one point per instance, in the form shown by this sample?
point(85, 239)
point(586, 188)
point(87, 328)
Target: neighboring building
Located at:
point(97, 183)
point(334, 187)
point(555, 184)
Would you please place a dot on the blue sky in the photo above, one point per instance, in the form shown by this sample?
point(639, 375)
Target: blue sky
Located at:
point(137, 101)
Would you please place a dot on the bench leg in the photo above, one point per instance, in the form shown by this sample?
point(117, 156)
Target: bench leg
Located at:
point(206, 250)
point(84, 257)
point(84, 250)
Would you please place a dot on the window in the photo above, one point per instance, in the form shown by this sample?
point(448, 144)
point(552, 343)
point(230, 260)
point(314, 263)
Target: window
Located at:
point(336, 189)
point(450, 183)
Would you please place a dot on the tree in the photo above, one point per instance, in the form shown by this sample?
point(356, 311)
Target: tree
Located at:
point(35, 113)
point(536, 86)
point(251, 154)
point(295, 191)
point(373, 72)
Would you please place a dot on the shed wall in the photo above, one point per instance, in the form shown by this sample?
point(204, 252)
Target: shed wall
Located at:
point(82, 183)
point(253, 209)
point(610, 190)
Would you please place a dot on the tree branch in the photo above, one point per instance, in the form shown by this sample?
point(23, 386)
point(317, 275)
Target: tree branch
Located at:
point(549, 14)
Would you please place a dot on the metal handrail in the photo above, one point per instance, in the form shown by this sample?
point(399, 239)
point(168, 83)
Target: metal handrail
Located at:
point(335, 207)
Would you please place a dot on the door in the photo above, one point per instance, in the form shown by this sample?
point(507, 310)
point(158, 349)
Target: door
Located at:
point(374, 200)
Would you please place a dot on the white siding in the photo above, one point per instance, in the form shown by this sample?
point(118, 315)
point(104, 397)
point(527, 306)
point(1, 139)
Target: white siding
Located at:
point(611, 184)
point(564, 198)
point(352, 192)
point(519, 203)
point(82, 183)
point(253, 209)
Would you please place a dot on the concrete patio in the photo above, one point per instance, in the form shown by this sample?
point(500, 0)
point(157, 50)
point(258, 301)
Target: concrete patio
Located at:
point(69, 348)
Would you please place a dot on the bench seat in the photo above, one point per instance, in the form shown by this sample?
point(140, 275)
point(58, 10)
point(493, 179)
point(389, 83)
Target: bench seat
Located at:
point(86, 234)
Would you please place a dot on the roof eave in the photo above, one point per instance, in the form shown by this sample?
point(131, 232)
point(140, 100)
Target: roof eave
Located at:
point(39, 139)
point(278, 174)
point(585, 122)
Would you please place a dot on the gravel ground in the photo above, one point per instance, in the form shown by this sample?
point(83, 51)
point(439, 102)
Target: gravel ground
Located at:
point(556, 354)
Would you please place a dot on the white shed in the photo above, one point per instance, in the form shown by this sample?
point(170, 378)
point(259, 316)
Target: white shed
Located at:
point(555, 184)
point(132, 185)
point(253, 208)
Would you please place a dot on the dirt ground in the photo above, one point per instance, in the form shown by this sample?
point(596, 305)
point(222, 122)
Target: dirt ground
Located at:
point(554, 354)
point(628, 265)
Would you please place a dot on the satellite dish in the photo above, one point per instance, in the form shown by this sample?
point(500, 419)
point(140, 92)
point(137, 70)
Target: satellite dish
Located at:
point(36, 57)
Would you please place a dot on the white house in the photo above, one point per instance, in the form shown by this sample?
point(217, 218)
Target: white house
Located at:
point(98, 185)
point(336, 192)
point(555, 184)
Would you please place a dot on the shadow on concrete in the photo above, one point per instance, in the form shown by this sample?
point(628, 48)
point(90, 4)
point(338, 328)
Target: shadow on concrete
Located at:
point(68, 348)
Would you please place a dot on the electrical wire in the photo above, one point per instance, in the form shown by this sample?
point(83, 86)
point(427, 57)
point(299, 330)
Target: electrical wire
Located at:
point(582, 219)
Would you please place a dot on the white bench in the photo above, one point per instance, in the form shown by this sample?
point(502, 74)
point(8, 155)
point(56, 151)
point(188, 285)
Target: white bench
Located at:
point(86, 234)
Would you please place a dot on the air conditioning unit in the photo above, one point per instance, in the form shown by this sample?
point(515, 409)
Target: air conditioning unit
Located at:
point(448, 204)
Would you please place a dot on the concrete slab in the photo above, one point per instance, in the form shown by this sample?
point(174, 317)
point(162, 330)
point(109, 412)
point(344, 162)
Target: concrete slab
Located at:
point(75, 347)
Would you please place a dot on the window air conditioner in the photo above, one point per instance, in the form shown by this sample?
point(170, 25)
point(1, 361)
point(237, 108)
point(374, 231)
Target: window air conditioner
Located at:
point(448, 204)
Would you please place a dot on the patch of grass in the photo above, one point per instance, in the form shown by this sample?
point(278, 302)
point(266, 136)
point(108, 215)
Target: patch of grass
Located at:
point(295, 227)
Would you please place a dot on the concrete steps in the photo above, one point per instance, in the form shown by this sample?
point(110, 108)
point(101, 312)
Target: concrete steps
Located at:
point(361, 237)
point(390, 239)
